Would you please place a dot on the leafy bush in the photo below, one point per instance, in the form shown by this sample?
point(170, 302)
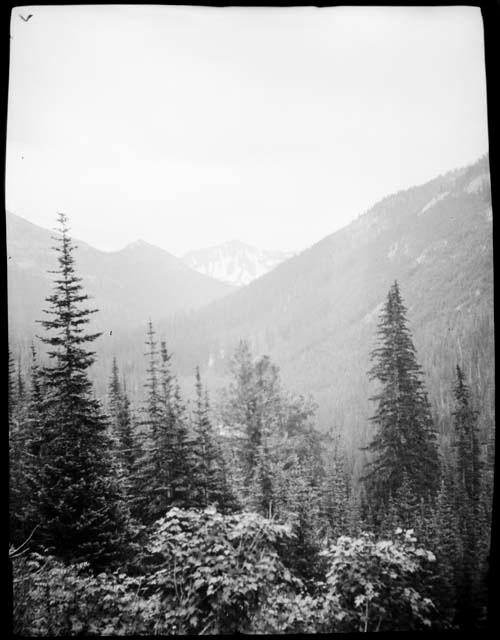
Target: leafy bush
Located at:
point(378, 585)
point(370, 586)
point(50, 598)
point(292, 613)
point(204, 572)
point(215, 570)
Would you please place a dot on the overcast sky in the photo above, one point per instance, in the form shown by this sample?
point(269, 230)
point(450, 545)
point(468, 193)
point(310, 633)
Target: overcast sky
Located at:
point(189, 126)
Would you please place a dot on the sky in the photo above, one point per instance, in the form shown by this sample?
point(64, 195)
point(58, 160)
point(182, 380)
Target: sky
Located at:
point(191, 126)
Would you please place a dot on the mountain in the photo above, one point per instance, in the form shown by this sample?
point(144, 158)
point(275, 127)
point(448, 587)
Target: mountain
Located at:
point(127, 286)
point(316, 314)
point(235, 262)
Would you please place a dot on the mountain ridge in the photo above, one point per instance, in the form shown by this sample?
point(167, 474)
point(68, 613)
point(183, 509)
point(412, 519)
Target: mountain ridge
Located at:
point(316, 313)
point(234, 261)
point(116, 279)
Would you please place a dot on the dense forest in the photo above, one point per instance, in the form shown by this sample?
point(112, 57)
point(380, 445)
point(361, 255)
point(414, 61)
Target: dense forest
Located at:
point(238, 515)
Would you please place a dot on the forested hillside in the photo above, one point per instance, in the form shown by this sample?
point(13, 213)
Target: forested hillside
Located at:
point(166, 519)
point(315, 314)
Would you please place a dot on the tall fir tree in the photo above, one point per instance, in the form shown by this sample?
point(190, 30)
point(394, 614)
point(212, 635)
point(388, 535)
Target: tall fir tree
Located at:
point(164, 476)
point(114, 394)
point(182, 454)
point(80, 501)
point(122, 430)
point(403, 509)
point(36, 380)
point(11, 393)
point(208, 467)
point(335, 492)
point(227, 501)
point(126, 433)
point(447, 544)
point(18, 459)
point(468, 453)
point(301, 507)
point(25, 427)
point(152, 479)
point(468, 467)
point(405, 441)
point(21, 387)
point(34, 427)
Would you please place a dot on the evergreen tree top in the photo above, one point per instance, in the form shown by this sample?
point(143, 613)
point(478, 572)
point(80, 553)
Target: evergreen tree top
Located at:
point(461, 390)
point(72, 359)
point(405, 440)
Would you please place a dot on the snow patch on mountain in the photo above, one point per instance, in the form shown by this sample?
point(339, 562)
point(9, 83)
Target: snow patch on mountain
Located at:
point(433, 202)
point(235, 262)
point(421, 258)
point(478, 183)
point(392, 251)
point(398, 249)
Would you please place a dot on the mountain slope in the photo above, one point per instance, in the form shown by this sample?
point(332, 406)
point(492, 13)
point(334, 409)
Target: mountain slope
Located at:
point(235, 262)
point(316, 314)
point(127, 286)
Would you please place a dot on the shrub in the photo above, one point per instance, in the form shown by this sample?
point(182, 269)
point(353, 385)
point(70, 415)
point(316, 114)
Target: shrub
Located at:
point(370, 586)
point(50, 598)
point(215, 570)
point(204, 572)
point(379, 585)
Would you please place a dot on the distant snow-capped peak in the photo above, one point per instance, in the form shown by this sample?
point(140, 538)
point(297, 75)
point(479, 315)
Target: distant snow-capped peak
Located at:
point(234, 261)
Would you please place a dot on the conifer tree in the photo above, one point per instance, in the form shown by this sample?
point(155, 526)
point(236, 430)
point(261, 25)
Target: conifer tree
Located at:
point(227, 501)
point(36, 381)
point(114, 394)
point(34, 427)
point(152, 385)
point(21, 387)
point(468, 481)
point(152, 478)
point(261, 487)
point(403, 509)
point(302, 509)
point(128, 444)
point(24, 443)
point(207, 470)
point(164, 476)
point(405, 441)
point(81, 508)
point(17, 485)
point(182, 458)
point(11, 394)
point(17, 460)
point(174, 443)
point(468, 460)
point(335, 494)
point(122, 430)
point(447, 544)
